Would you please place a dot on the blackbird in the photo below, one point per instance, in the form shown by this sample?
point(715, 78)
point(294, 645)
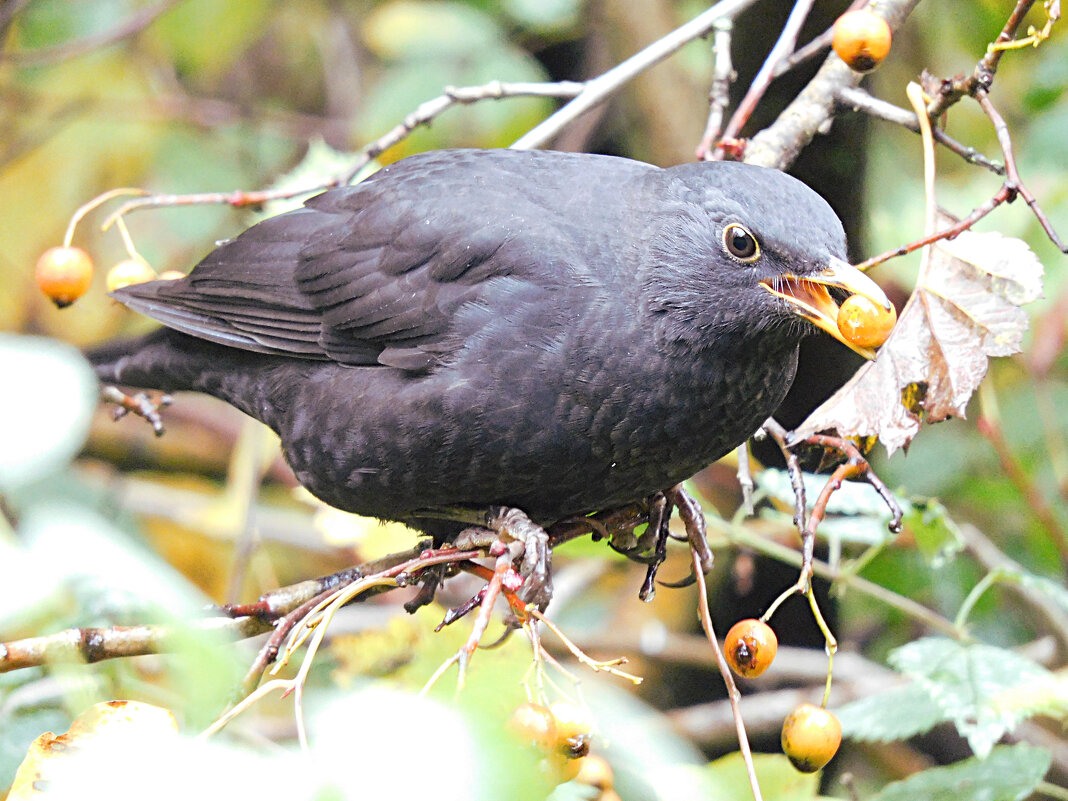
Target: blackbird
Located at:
point(550, 332)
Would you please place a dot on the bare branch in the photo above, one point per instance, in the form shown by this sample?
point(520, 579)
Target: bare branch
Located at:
point(605, 85)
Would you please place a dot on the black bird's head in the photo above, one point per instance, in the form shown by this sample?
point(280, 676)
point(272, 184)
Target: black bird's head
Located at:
point(745, 249)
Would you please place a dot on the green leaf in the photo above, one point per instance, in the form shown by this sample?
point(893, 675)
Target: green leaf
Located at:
point(895, 714)
point(1009, 773)
point(937, 536)
point(181, 34)
point(779, 780)
point(966, 682)
point(413, 28)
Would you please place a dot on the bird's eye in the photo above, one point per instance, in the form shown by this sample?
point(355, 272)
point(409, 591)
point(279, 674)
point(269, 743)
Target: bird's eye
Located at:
point(740, 243)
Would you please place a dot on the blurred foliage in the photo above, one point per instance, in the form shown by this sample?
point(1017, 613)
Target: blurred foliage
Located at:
point(219, 95)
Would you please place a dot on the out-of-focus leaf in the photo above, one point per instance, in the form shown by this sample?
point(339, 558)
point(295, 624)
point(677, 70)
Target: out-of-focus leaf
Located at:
point(377, 652)
point(45, 407)
point(417, 28)
point(779, 780)
point(894, 714)
point(964, 310)
point(966, 681)
point(937, 536)
point(544, 15)
point(1009, 773)
point(205, 37)
point(115, 723)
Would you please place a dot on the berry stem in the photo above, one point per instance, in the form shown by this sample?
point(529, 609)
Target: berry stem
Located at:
point(94, 203)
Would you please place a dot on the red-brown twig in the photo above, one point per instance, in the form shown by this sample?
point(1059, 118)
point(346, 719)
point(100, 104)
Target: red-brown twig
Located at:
point(781, 51)
point(951, 90)
point(1012, 187)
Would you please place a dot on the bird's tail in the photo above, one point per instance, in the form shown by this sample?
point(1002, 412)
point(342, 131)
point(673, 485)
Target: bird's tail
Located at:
point(170, 361)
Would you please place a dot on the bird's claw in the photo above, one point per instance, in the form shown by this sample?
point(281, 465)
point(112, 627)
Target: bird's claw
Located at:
point(141, 404)
point(522, 537)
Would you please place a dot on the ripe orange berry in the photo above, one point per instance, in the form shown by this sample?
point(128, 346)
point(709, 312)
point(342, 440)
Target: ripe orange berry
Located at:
point(864, 322)
point(574, 729)
point(64, 274)
point(861, 39)
point(750, 647)
point(130, 271)
point(596, 772)
point(534, 724)
point(810, 737)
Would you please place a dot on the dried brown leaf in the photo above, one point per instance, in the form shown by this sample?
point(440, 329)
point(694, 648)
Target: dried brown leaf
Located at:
point(965, 309)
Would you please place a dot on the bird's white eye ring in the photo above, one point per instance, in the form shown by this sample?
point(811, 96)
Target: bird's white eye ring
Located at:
point(740, 243)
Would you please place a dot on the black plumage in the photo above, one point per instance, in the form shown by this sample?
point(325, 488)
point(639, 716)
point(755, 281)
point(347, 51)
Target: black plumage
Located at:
point(560, 333)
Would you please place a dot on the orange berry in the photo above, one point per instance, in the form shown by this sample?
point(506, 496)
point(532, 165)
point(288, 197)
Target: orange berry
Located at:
point(864, 322)
point(534, 724)
point(130, 271)
point(64, 274)
point(596, 772)
point(810, 737)
point(750, 647)
point(574, 729)
point(861, 39)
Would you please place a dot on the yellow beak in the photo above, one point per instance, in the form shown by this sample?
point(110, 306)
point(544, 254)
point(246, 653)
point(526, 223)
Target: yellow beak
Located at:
point(811, 300)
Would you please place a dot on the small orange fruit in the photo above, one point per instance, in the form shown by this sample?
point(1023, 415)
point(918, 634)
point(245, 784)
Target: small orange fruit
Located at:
point(64, 274)
point(130, 271)
point(574, 729)
point(750, 647)
point(864, 322)
point(534, 724)
point(596, 772)
point(861, 39)
point(810, 737)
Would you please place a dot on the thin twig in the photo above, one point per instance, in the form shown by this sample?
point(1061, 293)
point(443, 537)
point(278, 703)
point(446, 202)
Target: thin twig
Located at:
point(857, 99)
point(732, 689)
point(605, 85)
point(719, 94)
point(953, 89)
point(781, 51)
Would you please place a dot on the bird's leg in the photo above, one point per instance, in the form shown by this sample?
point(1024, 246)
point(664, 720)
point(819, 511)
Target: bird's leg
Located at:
point(141, 404)
point(693, 520)
point(659, 514)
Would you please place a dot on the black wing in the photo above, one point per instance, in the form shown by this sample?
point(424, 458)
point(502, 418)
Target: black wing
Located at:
point(397, 269)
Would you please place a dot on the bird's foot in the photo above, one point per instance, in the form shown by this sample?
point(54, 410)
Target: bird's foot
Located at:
point(517, 537)
point(141, 404)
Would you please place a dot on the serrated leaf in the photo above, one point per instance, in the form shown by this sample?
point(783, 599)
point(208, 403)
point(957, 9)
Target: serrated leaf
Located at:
point(966, 681)
point(964, 310)
point(1009, 773)
point(895, 714)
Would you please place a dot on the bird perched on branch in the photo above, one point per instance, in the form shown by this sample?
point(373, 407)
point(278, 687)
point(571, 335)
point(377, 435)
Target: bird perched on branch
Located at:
point(548, 332)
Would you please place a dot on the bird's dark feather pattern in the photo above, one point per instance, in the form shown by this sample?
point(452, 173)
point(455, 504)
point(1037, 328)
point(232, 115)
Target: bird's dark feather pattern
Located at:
point(555, 332)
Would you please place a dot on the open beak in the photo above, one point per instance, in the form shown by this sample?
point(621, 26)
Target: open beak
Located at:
point(811, 300)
